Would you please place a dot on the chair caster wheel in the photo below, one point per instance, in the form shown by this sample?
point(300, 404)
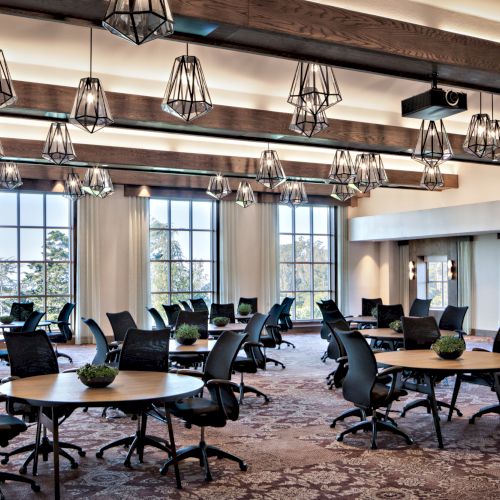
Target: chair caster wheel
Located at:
point(82, 453)
point(22, 470)
point(243, 467)
point(35, 487)
point(74, 465)
point(471, 421)
point(98, 454)
point(459, 413)
point(373, 446)
point(332, 426)
point(340, 438)
point(410, 441)
point(127, 464)
point(5, 460)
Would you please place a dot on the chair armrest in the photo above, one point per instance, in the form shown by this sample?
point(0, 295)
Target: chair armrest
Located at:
point(217, 383)
point(253, 344)
point(220, 382)
point(350, 316)
point(389, 371)
point(461, 333)
point(341, 359)
point(60, 323)
point(192, 373)
point(480, 349)
point(70, 370)
point(8, 379)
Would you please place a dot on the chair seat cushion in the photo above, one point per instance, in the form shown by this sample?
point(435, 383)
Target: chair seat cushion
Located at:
point(10, 427)
point(244, 364)
point(199, 411)
point(380, 393)
point(267, 341)
point(57, 337)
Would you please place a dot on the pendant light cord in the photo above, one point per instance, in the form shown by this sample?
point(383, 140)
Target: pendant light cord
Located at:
point(187, 49)
point(90, 52)
point(480, 102)
point(491, 107)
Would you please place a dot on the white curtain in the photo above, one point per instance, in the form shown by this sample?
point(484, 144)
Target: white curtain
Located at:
point(404, 281)
point(465, 280)
point(88, 272)
point(228, 279)
point(342, 260)
point(138, 258)
point(269, 268)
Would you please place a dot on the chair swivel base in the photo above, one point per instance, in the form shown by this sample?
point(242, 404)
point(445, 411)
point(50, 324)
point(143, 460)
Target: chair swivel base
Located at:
point(7, 476)
point(63, 355)
point(426, 403)
point(484, 411)
point(287, 343)
point(203, 452)
point(276, 362)
point(361, 414)
point(243, 389)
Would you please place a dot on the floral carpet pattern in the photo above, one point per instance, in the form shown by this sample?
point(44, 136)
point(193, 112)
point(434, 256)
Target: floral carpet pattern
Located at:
point(289, 447)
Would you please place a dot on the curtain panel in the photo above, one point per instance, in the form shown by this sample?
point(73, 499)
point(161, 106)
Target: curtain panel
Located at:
point(228, 280)
point(404, 281)
point(269, 268)
point(465, 280)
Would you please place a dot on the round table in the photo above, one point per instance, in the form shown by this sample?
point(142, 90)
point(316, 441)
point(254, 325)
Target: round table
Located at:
point(201, 346)
point(389, 335)
point(20, 324)
point(65, 389)
point(230, 327)
point(363, 320)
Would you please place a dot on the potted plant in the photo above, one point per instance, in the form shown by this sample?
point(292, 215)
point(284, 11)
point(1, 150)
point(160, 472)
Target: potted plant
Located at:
point(447, 347)
point(96, 375)
point(187, 334)
point(220, 321)
point(244, 309)
point(6, 320)
point(396, 326)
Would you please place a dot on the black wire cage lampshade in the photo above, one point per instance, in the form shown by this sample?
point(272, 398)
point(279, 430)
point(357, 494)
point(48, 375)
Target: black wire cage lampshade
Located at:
point(10, 178)
point(218, 187)
point(73, 188)
point(480, 140)
point(139, 21)
point(285, 194)
point(270, 172)
point(432, 178)
point(314, 87)
point(342, 192)
point(306, 123)
point(187, 95)
point(342, 170)
point(8, 95)
point(370, 172)
point(97, 182)
point(245, 196)
point(58, 147)
point(433, 146)
point(297, 193)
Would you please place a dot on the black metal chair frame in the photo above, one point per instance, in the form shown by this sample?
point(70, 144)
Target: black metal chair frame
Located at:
point(64, 326)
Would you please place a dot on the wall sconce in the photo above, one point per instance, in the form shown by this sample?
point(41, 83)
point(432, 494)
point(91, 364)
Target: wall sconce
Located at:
point(411, 270)
point(452, 270)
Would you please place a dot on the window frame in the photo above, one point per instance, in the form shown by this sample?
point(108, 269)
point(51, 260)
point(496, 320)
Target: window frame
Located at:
point(443, 281)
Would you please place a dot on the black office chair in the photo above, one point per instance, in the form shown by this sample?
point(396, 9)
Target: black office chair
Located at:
point(420, 308)
point(104, 353)
point(121, 322)
point(222, 310)
point(159, 323)
point(199, 305)
point(386, 314)
point(329, 312)
point(285, 319)
point(32, 354)
point(453, 319)
point(200, 319)
point(172, 311)
point(185, 305)
point(251, 301)
point(421, 333)
point(215, 410)
point(272, 338)
point(31, 323)
point(367, 306)
point(367, 389)
point(255, 359)
point(21, 310)
point(65, 334)
point(10, 427)
point(337, 352)
point(142, 350)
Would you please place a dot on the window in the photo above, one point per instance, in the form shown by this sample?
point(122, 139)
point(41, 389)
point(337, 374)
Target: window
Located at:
point(36, 262)
point(182, 253)
point(307, 257)
point(437, 281)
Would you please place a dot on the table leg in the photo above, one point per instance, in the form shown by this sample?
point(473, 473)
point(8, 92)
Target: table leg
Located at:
point(172, 446)
point(456, 389)
point(429, 380)
point(52, 424)
point(37, 442)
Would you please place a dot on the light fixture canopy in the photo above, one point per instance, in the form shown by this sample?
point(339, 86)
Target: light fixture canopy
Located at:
point(97, 182)
point(432, 178)
point(306, 123)
point(342, 192)
point(370, 171)
point(218, 187)
point(73, 188)
point(433, 146)
point(8, 95)
point(245, 196)
point(58, 147)
point(10, 178)
point(342, 170)
point(314, 87)
point(139, 21)
point(270, 172)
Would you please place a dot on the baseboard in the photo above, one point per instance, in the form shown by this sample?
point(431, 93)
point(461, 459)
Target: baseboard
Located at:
point(305, 327)
point(483, 333)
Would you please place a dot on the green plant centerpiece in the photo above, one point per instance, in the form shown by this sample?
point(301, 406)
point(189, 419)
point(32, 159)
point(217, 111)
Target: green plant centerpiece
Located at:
point(374, 311)
point(396, 326)
point(220, 321)
point(96, 375)
point(187, 334)
point(448, 347)
point(244, 309)
point(6, 320)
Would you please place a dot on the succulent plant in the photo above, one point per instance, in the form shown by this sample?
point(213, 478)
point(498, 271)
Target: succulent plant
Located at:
point(186, 331)
point(220, 321)
point(244, 309)
point(90, 372)
point(448, 344)
point(6, 320)
point(396, 325)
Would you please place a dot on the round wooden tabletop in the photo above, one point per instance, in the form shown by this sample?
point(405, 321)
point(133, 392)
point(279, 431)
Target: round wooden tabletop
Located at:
point(128, 386)
point(201, 346)
point(20, 324)
point(428, 360)
point(230, 327)
point(366, 320)
point(390, 334)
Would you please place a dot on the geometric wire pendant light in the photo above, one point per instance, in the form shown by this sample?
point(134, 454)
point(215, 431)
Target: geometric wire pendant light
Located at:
point(7, 93)
point(139, 21)
point(245, 196)
point(97, 182)
point(480, 140)
point(370, 171)
point(58, 146)
point(342, 170)
point(433, 146)
point(10, 178)
point(306, 123)
point(342, 192)
point(270, 172)
point(73, 187)
point(90, 109)
point(218, 186)
point(432, 178)
point(297, 193)
point(187, 95)
point(285, 194)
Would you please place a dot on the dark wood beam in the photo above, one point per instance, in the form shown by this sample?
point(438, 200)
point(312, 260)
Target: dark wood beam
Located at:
point(299, 29)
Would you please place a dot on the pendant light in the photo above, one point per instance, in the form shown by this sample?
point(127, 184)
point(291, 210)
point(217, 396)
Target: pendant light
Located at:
point(186, 95)
point(306, 123)
point(342, 170)
point(432, 178)
point(298, 195)
point(433, 146)
point(73, 188)
point(58, 146)
point(139, 21)
point(90, 110)
point(97, 182)
point(494, 155)
point(370, 172)
point(270, 172)
point(342, 192)
point(10, 178)
point(245, 196)
point(285, 194)
point(218, 187)
point(7, 93)
point(480, 140)
point(315, 87)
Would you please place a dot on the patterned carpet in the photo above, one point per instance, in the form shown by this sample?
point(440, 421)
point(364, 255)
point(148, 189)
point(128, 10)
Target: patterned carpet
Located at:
point(289, 446)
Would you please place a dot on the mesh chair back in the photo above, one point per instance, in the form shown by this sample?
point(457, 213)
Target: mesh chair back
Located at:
point(102, 347)
point(253, 331)
point(387, 314)
point(496, 342)
point(185, 305)
point(453, 318)
point(145, 350)
point(31, 324)
point(274, 315)
point(199, 305)
point(358, 383)
point(251, 301)
point(63, 320)
point(172, 312)
point(285, 316)
point(30, 354)
point(335, 347)
point(419, 333)
point(328, 304)
point(200, 319)
point(420, 308)
point(159, 323)
point(21, 310)
point(225, 310)
point(121, 322)
point(330, 313)
point(367, 306)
